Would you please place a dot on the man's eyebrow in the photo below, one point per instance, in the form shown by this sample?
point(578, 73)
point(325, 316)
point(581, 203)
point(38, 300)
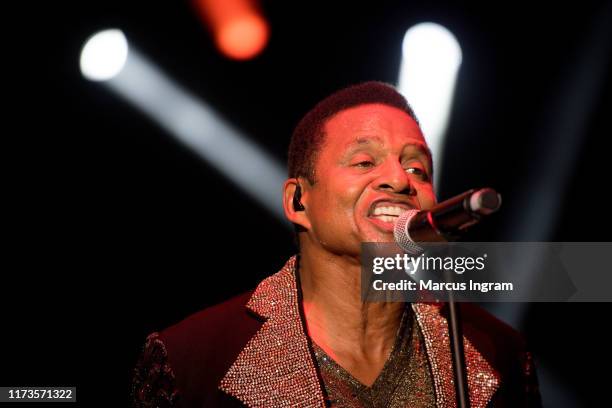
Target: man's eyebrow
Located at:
point(422, 147)
point(365, 140)
point(368, 140)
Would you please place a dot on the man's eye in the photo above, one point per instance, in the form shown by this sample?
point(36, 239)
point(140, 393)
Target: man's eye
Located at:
point(365, 164)
point(418, 172)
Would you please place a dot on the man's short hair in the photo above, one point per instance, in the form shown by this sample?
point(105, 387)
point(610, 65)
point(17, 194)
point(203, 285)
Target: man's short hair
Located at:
point(309, 135)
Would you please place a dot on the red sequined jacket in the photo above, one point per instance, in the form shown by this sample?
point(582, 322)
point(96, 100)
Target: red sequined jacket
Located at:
point(252, 350)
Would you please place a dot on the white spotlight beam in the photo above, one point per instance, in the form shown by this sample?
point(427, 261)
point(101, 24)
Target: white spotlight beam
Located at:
point(104, 55)
point(431, 57)
point(197, 126)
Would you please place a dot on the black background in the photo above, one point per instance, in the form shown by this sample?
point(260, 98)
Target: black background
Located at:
point(113, 230)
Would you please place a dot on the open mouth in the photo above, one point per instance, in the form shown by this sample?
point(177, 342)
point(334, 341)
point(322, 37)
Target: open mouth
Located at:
point(385, 214)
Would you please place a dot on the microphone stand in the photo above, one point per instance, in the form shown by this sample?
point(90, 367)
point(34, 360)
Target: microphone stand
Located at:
point(456, 343)
point(455, 332)
point(439, 224)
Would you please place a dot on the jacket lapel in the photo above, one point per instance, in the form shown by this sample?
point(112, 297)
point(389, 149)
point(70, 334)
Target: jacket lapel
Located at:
point(483, 380)
point(275, 368)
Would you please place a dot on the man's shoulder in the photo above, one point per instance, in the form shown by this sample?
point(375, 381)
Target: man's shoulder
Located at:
point(502, 346)
point(507, 351)
point(484, 327)
point(200, 349)
point(213, 325)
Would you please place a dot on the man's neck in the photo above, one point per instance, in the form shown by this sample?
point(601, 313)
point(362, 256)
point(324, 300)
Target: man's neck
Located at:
point(352, 332)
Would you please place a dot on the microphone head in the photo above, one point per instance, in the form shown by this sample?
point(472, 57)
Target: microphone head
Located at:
point(484, 201)
point(402, 234)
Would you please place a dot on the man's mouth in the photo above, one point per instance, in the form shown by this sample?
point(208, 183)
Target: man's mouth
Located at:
point(385, 213)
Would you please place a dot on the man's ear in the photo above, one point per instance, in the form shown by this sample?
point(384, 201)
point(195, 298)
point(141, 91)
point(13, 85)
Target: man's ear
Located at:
point(295, 202)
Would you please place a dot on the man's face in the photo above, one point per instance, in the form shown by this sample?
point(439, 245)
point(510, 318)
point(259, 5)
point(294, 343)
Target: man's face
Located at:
point(373, 165)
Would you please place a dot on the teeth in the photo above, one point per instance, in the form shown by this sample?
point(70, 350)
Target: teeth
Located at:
point(386, 218)
point(394, 211)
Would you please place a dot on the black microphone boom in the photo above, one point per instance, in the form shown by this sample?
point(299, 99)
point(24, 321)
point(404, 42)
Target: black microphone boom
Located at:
point(446, 220)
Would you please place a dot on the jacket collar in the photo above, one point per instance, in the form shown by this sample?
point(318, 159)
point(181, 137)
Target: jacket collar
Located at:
point(276, 367)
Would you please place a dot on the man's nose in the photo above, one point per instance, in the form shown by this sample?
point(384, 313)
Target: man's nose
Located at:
point(395, 179)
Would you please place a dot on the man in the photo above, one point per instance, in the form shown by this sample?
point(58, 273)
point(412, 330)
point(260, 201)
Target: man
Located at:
point(304, 337)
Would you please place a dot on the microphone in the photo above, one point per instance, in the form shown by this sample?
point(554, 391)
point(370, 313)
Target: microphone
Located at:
point(445, 221)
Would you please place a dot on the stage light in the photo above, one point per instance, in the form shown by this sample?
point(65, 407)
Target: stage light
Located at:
point(104, 55)
point(195, 124)
point(239, 29)
point(243, 38)
point(431, 57)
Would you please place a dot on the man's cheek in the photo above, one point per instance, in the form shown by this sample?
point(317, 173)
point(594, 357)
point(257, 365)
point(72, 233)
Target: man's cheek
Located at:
point(427, 198)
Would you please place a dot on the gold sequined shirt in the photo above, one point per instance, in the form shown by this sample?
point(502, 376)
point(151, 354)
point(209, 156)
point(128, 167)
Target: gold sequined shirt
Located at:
point(405, 380)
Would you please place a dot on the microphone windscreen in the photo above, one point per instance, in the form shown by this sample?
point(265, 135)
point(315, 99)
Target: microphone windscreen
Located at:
point(402, 234)
point(485, 201)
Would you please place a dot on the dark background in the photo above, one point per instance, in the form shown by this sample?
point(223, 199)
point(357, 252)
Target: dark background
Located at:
point(114, 230)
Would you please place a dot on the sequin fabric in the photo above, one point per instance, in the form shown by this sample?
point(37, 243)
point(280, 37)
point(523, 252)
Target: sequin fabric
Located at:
point(153, 384)
point(483, 380)
point(276, 367)
point(405, 380)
